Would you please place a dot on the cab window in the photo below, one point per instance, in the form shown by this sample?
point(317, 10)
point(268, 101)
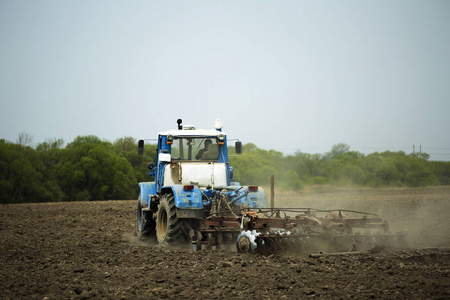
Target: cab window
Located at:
point(195, 149)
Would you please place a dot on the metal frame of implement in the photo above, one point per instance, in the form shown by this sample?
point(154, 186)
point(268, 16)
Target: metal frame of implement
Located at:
point(270, 226)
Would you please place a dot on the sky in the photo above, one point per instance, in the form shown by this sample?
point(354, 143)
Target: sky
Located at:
point(285, 75)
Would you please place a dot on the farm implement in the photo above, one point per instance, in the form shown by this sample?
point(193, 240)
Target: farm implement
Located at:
point(298, 230)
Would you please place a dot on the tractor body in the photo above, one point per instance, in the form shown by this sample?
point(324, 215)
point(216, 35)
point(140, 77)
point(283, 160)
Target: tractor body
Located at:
point(192, 181)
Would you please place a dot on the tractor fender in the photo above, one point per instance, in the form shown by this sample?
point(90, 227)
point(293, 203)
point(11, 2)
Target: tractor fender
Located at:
point(147, 190)
point(185, 199)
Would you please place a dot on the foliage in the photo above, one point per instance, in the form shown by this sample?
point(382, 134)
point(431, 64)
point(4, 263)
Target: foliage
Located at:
point(89, 168)
point(86, 169)
point(339, 166)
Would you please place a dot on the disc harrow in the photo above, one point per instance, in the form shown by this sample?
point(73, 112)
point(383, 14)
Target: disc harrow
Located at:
point(299, 230)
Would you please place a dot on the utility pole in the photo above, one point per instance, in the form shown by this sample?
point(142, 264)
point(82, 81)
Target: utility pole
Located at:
point(272, 192)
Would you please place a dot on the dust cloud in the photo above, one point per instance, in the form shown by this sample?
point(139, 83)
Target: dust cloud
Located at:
point(133, 240)
point(422, 214)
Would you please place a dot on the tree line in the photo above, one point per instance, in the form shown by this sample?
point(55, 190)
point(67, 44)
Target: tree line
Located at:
point(340, 166)
point(93, 169)
point(86, 169)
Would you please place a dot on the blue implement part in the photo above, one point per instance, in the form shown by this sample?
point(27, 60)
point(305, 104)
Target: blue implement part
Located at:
point(187, 199)
point(252, 199)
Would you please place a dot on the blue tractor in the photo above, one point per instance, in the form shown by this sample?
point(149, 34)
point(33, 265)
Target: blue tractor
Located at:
point(193, 181)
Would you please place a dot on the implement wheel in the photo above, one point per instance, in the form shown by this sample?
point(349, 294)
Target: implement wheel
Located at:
point(168, 227)
point(145, 225)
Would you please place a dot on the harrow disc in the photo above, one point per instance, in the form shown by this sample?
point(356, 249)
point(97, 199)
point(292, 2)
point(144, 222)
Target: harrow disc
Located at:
point(243, 244)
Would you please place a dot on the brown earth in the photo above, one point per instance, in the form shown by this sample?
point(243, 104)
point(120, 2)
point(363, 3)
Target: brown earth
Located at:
point(85, 250)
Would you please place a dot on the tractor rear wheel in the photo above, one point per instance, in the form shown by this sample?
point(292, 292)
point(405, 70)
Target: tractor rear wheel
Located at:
point(145, 225)
point(168, 227)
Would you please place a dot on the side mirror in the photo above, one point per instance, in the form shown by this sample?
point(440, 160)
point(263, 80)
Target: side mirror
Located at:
point(151, 165)
point(238, 147)
point(141, 147)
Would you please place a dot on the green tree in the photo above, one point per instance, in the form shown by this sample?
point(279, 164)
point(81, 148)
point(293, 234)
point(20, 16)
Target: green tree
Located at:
point(21, 175)
point(338, 149)
point(125, 144)
point(290, 181)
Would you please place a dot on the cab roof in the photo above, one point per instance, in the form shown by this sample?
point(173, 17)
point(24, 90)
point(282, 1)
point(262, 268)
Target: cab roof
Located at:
point(195, 132)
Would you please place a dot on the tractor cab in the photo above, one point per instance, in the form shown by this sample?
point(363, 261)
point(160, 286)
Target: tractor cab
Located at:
point(192, 156)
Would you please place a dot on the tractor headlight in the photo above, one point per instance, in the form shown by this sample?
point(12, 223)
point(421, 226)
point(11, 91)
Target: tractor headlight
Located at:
point(221, 137)
point(169, 139)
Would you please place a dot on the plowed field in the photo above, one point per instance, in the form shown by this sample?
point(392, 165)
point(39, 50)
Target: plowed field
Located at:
point(87, 250)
